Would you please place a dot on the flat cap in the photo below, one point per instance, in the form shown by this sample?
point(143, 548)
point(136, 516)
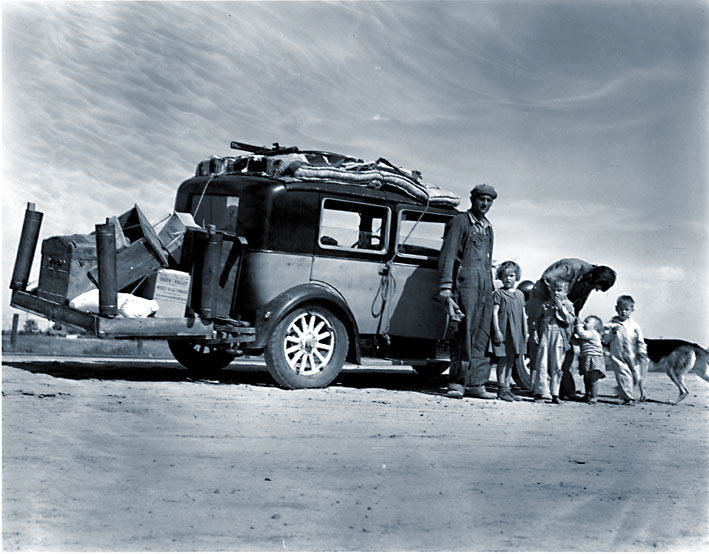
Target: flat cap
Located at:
point(483, 189)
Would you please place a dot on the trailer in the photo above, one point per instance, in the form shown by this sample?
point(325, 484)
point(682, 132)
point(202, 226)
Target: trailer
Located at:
point(199, 326)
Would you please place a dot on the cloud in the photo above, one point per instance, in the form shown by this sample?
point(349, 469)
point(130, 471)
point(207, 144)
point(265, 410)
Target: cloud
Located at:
point(586, 116)
point(593, 216)
point(668, 273)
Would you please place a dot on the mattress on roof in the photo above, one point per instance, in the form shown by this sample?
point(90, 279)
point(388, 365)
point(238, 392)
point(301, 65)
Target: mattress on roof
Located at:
point(317, 166)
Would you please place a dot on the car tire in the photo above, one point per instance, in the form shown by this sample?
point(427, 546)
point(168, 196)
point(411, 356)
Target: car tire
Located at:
point(431, 370)
point(522, 374)
point(198, 357)
point(307, 348)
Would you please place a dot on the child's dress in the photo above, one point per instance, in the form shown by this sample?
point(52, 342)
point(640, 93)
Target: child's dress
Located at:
point(511, 318)
point(591, 359)
point(554, 329)
point(627, 351)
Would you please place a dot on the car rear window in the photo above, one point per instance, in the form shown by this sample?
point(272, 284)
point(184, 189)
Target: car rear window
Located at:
point(218, 210)
point(353, 226)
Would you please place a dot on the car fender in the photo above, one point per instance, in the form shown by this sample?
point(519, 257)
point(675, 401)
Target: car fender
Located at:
point(268, 316)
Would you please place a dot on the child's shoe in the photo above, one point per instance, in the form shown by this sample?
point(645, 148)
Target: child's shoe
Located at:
point(555, 400)
point(506, 394)
point(592, 401)
point(541, 399)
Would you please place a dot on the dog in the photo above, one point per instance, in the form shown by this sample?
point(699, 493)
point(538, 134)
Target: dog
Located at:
point(681, 361)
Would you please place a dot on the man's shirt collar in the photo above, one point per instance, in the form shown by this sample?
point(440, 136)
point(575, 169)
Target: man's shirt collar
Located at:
point(484, 223)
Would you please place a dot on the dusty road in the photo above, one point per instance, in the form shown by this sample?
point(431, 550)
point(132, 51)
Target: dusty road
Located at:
point(134, 456)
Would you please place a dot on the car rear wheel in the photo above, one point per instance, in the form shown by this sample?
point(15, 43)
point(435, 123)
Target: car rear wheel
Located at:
point(431, 369)
point(198, 356)
point(307, 348)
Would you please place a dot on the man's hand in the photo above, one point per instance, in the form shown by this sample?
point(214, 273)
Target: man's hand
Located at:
point(454, 311)
point(445, 294)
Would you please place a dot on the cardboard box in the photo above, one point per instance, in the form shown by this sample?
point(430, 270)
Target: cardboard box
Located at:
point(170, 288)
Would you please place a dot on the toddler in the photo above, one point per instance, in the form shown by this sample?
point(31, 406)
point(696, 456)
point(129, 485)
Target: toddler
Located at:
point(628, 351)
point(592, 364)
point(509, 325)
point(553, 330)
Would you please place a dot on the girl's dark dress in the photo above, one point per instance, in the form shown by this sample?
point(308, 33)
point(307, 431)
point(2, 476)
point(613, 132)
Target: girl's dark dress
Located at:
point(511, 318)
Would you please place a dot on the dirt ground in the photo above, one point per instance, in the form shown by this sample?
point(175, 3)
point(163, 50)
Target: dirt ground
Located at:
point(134, 456)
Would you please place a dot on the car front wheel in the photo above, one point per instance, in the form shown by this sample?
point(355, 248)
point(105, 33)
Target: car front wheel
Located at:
point(307, 348)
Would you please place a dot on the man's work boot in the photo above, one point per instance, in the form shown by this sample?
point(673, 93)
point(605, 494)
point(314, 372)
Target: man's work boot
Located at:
point(479, 392)
point(455, 390)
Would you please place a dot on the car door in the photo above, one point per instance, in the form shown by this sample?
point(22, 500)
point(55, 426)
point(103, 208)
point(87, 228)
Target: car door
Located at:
point(416, 311)
point(350, 253)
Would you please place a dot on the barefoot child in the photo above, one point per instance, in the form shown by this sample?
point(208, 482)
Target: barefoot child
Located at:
point(592, 364)
point(628, 350)
point(553, 329)
point(509, 324)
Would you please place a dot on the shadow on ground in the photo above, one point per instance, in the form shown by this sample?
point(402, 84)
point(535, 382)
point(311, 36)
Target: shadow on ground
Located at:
point(242, 373)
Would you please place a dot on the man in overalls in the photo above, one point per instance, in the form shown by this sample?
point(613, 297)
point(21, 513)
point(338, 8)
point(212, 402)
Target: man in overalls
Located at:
point(465, 269)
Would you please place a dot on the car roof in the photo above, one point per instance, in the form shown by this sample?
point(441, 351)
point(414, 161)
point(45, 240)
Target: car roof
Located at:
point(362, 192)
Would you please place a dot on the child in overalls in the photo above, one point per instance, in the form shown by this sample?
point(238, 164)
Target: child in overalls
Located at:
point(628, 351)
point(552, 333)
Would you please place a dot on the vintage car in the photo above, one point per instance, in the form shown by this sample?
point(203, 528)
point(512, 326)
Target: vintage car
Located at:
point(334, 269)
point(327, 257)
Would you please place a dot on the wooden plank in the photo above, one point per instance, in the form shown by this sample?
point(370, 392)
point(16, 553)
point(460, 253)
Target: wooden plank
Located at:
point(154, 327)
point(54, 311)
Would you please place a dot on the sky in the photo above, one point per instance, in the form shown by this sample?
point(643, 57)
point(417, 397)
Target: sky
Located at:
point(588, 117)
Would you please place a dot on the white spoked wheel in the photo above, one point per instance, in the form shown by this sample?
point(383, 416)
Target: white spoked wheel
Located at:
point(307, 348)
point(309, 344)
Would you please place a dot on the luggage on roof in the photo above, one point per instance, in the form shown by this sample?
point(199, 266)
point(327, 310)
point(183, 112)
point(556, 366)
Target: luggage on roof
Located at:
point(282, 162)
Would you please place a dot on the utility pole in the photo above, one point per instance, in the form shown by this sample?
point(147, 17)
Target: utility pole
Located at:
point(13, 336)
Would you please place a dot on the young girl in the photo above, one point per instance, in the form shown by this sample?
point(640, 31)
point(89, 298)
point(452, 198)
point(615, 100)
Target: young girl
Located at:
point(509, 324)
point(552, 333)
point(592, 364)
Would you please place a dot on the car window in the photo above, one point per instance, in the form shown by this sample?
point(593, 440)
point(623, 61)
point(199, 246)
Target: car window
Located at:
point(355, 226)
point(420, 234)
point(220, 211)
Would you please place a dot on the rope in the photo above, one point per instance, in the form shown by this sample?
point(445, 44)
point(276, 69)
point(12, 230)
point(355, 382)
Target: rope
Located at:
point(201, 197)
point(387, 284)
point(204, 190)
